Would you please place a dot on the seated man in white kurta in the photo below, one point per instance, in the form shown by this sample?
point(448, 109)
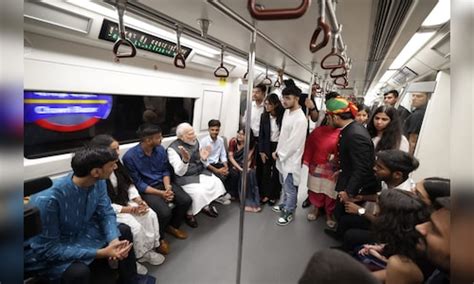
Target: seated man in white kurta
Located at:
point(191, 174)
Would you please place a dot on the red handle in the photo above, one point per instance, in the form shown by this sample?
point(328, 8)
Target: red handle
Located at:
point(277, 14)
point(333, 53)
point(179, 60)
point(221, 69)
point(127, 42)
point(322, 26)
point(338, 72)
point(338, 82)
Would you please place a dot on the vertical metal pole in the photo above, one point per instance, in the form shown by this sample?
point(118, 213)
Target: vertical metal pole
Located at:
point(243, 191)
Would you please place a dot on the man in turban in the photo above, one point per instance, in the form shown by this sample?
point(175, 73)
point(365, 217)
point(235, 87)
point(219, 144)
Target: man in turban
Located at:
point(356, 181)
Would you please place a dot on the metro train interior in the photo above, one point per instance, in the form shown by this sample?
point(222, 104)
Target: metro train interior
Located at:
point(108, 67)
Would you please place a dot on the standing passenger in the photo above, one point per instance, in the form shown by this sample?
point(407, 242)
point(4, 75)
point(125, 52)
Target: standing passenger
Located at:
point(188, 162)
point(362, 114)
point(147, 164)
point(412, 126)
point(217, 160)
point(132, 210)
point(356, 181)
point(319, 155)
point(386, 130)
point(390, 98)
point(270, 126)
point(258, 95)
point(289, 153)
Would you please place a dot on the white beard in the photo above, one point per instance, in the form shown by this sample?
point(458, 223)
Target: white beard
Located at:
point(192, 143)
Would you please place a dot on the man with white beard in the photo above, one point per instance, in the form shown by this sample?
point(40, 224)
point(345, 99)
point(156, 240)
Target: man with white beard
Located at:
point(189, 164)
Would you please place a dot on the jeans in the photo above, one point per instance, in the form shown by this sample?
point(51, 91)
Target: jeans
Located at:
point(289, 194)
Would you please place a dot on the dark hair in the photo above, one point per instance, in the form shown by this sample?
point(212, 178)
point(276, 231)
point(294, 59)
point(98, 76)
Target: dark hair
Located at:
point(261, 87)
point(291, 89)
point(392, 134)
point(394, 92)
point(148, 129)
point(437, 187)
point(400, 212)
point(330, 266)
point(214, 122)
point(274, 100)
point(331, 95)
point(397, 160)
point(87, 158)
point(102, 140)
point(362, 107)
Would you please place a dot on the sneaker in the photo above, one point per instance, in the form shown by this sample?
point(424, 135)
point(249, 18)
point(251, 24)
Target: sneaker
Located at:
point(141, 269)
point(223, 200)
point(152, 257)
point(227, 196)
point(285, 219)
point(278, 208)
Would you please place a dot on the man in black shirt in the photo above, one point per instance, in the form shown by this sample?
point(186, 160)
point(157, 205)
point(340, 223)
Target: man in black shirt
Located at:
point(413, 123)
point(390, 98)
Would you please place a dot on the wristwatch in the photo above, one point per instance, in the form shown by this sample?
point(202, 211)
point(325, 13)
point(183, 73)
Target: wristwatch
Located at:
point(361, 211)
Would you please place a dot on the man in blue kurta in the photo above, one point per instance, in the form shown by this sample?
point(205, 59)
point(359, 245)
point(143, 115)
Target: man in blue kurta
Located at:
point(78, 223)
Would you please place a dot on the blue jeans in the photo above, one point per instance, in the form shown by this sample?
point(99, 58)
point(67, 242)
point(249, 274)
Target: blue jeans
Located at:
point(289, 193)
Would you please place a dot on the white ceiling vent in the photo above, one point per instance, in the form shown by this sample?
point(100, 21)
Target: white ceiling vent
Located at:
point(403, 75)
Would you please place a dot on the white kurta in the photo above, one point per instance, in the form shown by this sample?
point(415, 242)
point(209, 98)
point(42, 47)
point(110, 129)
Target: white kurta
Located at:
point(291, 144)
point(207, 190)
point(145, 229)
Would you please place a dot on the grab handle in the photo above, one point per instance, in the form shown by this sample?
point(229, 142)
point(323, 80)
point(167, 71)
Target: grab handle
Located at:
point(122, 40)
point(277, 14)
point(221, 71)
point(338, 82)
point(179, 60)
point(338, 72)
point(267, 81)
point(322, 26)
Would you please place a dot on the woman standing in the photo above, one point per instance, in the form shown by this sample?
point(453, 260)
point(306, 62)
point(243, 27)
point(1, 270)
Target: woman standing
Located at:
point(319, 155)
point(270, 125)
point(386, 131)
point(132, 210)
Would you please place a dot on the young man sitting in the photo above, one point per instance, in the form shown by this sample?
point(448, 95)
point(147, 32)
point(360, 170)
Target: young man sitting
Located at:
point(217, 160)
point(79, 224)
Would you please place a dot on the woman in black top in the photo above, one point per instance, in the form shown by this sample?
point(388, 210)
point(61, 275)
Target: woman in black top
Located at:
point(270, 125)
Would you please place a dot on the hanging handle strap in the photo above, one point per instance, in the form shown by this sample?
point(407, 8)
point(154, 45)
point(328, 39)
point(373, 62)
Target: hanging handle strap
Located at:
point(221, 71)
point(277, 14)
point(341, 81)
point(267, 81)
point(179, 60)
point(338, 72)
point(122, 40)
point(322, 26)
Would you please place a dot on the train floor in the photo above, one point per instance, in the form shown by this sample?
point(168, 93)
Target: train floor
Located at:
point(271, 253)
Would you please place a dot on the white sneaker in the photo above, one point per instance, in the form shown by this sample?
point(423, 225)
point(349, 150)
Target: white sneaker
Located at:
point(152, 257)
point(141, 269)
point(223, 200)
point(227, 196)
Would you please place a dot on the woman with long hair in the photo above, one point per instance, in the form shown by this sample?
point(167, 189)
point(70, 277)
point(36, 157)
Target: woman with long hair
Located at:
point(386, 130)
point(132, 210)
point(236, 159)
point(270, 125)
point(362, 116)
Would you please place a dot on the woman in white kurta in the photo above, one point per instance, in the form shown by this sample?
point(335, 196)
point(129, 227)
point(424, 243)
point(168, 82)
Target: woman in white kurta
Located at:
point(188, 163)
point(132, 210)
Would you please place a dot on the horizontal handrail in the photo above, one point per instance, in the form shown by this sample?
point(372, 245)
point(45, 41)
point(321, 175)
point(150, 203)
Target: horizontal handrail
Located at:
point(277, 14)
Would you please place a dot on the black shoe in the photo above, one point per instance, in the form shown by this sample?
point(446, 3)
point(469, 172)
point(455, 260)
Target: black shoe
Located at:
point(191, 221)
point(271, 202)
point(211, 211)
point(306, 203)
point(331, 233)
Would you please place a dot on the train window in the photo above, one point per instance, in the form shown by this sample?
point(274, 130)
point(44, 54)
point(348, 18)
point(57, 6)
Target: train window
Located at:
point(58, 123)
